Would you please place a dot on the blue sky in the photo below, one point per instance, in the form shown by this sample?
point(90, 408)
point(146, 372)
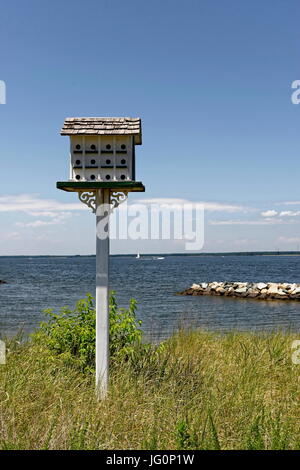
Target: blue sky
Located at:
point(211, 81)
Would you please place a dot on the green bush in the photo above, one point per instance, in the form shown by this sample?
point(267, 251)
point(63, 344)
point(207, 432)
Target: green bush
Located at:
point(71, 333)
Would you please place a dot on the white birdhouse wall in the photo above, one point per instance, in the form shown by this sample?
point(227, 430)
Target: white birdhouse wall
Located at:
point(102, 158)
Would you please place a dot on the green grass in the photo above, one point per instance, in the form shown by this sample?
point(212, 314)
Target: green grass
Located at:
point(200, 391)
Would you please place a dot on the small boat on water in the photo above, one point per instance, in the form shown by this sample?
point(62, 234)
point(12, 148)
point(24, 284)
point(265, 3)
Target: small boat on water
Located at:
point(138, 256)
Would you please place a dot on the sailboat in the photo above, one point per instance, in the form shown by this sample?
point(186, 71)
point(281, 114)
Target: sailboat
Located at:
point(138, 256)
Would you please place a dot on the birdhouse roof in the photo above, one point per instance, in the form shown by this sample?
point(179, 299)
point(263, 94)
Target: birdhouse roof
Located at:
point(103, 126)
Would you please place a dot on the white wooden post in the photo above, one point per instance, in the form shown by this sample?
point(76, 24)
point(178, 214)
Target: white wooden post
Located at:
point(102, 293)
point(102, 202)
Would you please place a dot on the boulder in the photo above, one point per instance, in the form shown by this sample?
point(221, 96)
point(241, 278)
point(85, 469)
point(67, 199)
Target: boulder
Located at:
point(272, 289)
point(241, 284)
point(261, 285)
point(281, 295)
point(195, 286)
point(241, 290)
point(272, 284)
point(220, 290)
point(252, 294)
point(291, 287)
point(214, 285)
point(229, 291)
point(284, 286)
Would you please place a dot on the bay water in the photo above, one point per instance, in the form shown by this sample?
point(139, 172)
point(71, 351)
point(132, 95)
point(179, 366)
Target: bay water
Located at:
point(37, 283)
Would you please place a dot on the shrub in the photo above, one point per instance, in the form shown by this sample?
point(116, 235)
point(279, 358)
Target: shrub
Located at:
point(71, 333)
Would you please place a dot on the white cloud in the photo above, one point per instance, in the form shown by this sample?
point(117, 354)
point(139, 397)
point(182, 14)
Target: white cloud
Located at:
point(63, 215)
point(33, 204)
point(266, 221)
point(57, 218)
point(269, 213)
point(161, 200)
point(213, 207)
point(273, 213)
point(37, 223)
point(208, 206)
point(289, 213)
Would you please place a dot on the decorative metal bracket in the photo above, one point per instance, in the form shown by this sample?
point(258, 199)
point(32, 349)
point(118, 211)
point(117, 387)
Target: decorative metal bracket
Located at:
point(115, 199)
point(88, 198)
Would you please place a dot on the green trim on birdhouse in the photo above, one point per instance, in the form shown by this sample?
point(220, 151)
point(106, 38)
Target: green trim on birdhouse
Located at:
point(78, 186)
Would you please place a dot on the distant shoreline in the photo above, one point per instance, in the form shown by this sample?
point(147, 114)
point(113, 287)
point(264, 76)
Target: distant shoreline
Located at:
point(145, 255)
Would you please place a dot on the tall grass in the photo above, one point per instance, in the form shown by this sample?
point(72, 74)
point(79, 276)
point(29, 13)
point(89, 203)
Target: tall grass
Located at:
point(200, 391)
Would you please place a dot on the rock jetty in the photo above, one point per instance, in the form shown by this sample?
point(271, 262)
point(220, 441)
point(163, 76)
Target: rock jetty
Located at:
point(249, 290)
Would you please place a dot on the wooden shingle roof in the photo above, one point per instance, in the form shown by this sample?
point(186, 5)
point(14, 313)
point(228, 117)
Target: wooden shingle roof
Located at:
point(104, 126)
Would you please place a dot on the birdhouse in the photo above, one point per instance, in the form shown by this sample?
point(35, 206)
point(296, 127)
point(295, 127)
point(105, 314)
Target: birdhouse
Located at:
point(102, 152)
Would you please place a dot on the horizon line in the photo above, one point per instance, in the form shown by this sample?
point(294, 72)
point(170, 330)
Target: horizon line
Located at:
point(207, 253)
